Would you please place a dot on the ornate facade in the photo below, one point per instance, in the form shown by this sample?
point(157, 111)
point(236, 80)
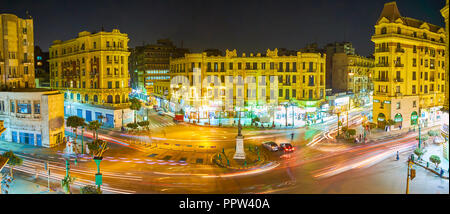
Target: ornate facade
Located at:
point(409, 71)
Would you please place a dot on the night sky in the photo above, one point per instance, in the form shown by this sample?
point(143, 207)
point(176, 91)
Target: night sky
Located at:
point(245, 25)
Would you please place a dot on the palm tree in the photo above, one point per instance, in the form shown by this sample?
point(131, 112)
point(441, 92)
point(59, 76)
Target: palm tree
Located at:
point(135, 105)
point(94, 126)
point(74, 122)
point(13, 161)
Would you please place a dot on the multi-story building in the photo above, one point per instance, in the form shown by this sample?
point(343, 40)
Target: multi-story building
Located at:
point(92, 72)
point(16, 52)
point(445, 126)
point(445, 13)
point(301, 81)
point(32, 116)
point(41, 66)
point(150, 63)
point(353, 74)
point(409, 70)
point(330, 50)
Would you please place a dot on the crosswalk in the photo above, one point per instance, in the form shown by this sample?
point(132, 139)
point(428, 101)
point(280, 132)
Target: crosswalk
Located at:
point(161, 124)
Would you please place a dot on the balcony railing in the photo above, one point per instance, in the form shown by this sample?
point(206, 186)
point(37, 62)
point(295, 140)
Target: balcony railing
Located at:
point(400, 50)
point(381, 79)
point(382, 65)
point(398, 94)
point(381, 50)
point(399, 65)
point(311, 70)
point(398, 80)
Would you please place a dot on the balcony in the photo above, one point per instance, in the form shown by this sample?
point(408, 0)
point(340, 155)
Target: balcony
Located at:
point(382, 65)
point(311, 70)
point(381, 93)
point(398, 94)
point(431, 79)
point(399, 65)
point(398, 80)
point(400, 50)
point(381, 79)
point(382, 50)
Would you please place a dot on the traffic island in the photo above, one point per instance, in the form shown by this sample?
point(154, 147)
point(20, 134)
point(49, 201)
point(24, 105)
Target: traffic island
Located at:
point(254, 157)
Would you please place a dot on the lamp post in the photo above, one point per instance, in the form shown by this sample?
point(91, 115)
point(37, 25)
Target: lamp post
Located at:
point(418, 123)
point(285, 107)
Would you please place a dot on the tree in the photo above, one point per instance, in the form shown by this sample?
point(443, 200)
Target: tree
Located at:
point(419, 152)
point(94, 126)
point(65, 183)
point(74, 122)
point(98, 147)
point(13, 161)
point(135, 105)
point(144, 124)
point(433, 133)
point(435, 159)
point(90, 189)
point(132, 125)
point(351, 132)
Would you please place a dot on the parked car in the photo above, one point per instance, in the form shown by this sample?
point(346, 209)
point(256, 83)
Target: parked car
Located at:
point(271, 146)
point(287, 147)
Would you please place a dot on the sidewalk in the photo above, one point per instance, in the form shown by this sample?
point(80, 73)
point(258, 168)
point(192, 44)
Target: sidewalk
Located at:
point(19, 148)
point(378, 134)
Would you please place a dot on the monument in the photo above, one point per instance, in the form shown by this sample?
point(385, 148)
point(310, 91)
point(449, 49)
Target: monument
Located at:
point(240, 154)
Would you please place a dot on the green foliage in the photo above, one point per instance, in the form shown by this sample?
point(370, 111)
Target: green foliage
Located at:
point(351, 132)
point(181, 111)
point(13, 159)
point(75, 122)
point(419, 152)
point(423, 138)
point(94, 126)
point(135, 104)
point(96, 148)
point(132, 125)
point(65, 183)
point(143, 123)
point(433, 133)
point(90, 189)
point(435, 159)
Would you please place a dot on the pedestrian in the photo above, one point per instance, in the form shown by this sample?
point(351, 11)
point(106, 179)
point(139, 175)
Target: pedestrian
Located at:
point(398, 157)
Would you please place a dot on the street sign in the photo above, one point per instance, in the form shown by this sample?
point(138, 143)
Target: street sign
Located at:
point(413, 174)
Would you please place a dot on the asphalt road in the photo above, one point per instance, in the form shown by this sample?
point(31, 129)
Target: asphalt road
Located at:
point(319, 165)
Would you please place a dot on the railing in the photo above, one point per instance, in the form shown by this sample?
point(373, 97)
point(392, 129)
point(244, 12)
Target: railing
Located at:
point(398, 80)
point(381, 50)
point(399, 65)
point(381, 79)
point(400, 50)
point(311, 70)
point(382, 65)
point(398, 94)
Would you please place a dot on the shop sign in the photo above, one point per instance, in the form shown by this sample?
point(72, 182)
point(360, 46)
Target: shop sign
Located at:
point(376, 101)
point(387, 102)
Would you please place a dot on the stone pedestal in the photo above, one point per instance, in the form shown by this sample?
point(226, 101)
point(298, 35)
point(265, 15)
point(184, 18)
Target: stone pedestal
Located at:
point(240, 154)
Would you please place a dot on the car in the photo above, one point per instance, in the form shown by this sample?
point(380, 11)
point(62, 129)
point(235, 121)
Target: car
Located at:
point(287, 147)
point(271, 146)
point(161, 113)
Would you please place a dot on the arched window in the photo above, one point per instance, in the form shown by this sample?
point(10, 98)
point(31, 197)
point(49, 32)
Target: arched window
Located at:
point(95, 98)
point(78, 97)
point(117, 99)
point(383, 30)
point(109, 99)
point(123, 98)
point(86, 98)
point(399, 31)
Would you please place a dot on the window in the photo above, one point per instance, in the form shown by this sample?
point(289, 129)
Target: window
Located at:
point(280, 92)
point(239, 65)
point(24, 108)
point(231, 66)
point(117, 84)
point(413, 89)
point(398, 105)
point(37, 108)
point(12, 106)
point(383, 30)
point(109, 84)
